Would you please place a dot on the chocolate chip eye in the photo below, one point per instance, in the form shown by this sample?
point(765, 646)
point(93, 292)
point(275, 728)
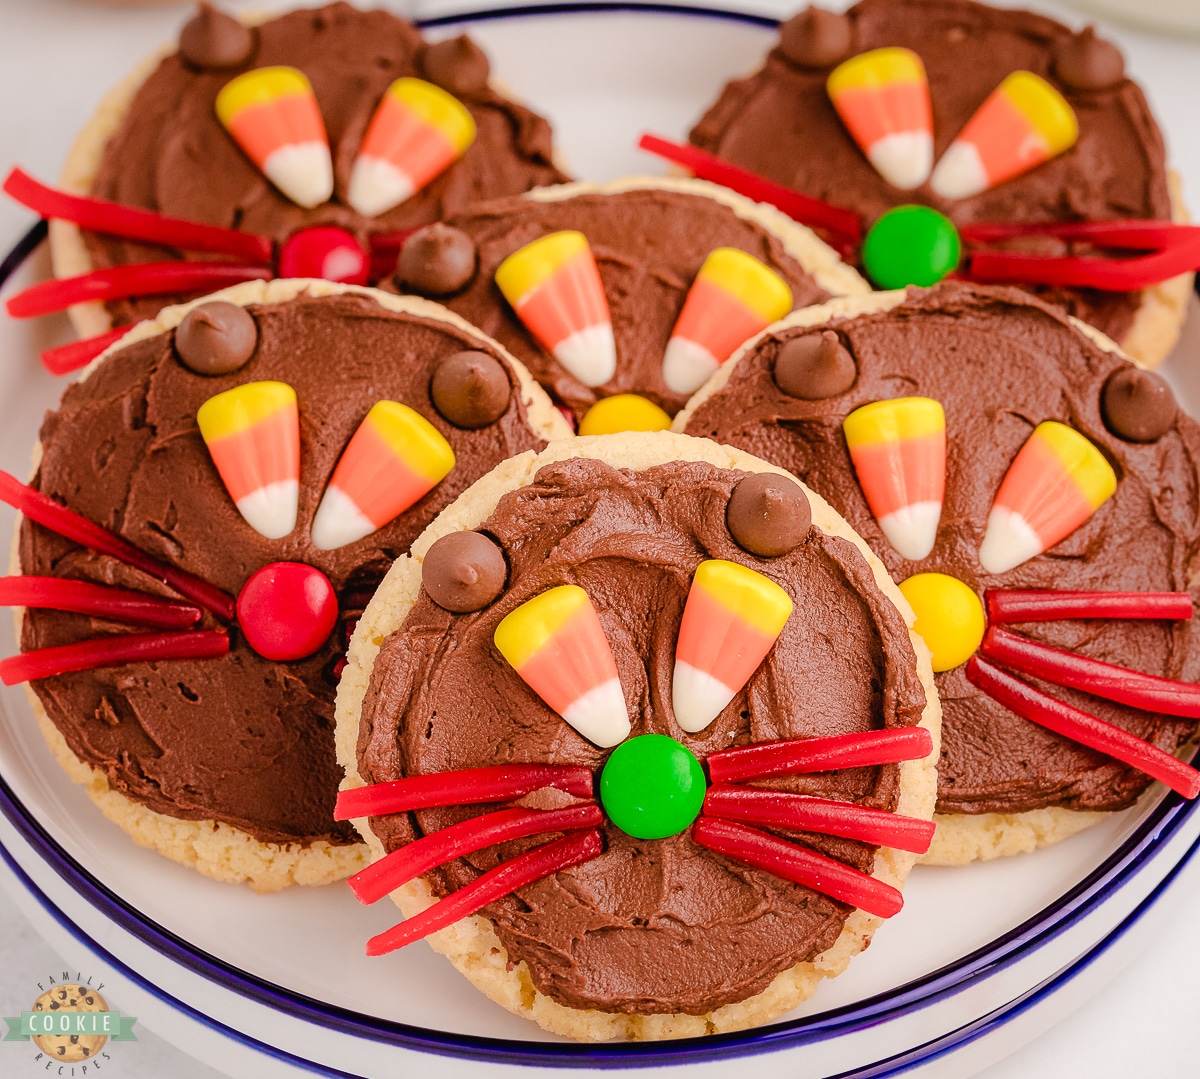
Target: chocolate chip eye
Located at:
point(1087, 62)
point(436, 261)
point(816, 38)
point(214, 41)
point(1137, 405)
point(814, 366)
point(457, 65)
point(216, 338)
point(470, 389)
point(464, 572)
point(768, 514)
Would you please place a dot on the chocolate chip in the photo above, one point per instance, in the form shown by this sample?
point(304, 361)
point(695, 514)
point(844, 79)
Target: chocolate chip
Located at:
point(768, 514)
point(457, 65)
point(1137, 405)
point(463, 572)
point(436, 261)
point(816, 38)
point(214, 41)
point(814, 367)
point(470, 389)
point(216, 338)
point(1087, 62)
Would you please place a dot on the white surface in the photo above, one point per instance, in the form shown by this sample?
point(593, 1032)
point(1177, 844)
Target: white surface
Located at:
point(51, 89)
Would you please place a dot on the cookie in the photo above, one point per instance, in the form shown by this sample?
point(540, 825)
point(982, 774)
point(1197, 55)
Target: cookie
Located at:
point(226, 764)
point(656, 937)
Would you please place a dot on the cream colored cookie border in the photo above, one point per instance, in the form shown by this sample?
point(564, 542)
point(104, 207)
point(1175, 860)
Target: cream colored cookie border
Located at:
point(471, 944)
point(961, 838)
point(215, 849)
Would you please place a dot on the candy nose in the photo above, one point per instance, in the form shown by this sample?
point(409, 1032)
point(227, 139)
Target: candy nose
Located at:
point(652, 787)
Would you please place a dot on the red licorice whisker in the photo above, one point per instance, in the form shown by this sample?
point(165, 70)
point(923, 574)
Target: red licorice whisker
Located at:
point(100, 600)
point(67, 358)
point(438, 848)
point(139, 279)
point(527, 868)
point(1045, 605)
point(799, 865)
point(844, 224)
point(113, 652)
point(1031, 704)
point(464, 786)
point(795, 756)
point(1141, 235)
point(113, 219)
point(782, 809)
point(43, 510)
point(1148, 692)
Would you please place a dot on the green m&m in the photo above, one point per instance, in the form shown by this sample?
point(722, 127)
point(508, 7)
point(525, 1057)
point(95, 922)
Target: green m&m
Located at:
point(911, 245)
point(652, 787)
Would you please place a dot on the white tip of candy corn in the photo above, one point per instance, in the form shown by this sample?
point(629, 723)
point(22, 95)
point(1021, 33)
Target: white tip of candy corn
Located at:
point(912, 530)
point(589, 354)
point(960, 173)
point(687, 365)
point(1008, 542)
point(600, 714)
point(377, 185)
point(339, 521)
point(271, 510)
point(697, 697)
point(303, 172)
point(903, 158)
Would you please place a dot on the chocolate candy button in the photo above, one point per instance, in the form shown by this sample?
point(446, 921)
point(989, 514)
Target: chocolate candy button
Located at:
point(216, 338)
point(214, 41)
point(1087, 62)
point(814, 367)
point(816, 38)
point(768, 515)
point(1137, 405)
point(463, 572)
point(457, 65)
point(470, 389)
point(436, 261)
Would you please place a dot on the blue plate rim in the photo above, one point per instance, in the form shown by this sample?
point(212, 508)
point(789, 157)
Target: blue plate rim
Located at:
point(1141, 848)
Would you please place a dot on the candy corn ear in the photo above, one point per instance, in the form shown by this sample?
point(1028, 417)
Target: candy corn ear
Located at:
point(899, 453)
point(882, 97)
point(253, 435)
point(554, 287)
point(272, 114)
point(556, 644)
point(1056, 482)
point(1024, 122)
point(395, 458)
point(733, 297)
point(732, 617)
point(417, 132)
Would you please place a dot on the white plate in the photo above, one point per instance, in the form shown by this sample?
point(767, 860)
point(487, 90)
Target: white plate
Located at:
point(973, 948)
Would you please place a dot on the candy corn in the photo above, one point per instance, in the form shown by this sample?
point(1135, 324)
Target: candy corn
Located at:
point(733, 297)
point(556, 644)
point(1055, 483)
point(417, 132)
point(272, 114)
point(253, 435)
point(1024, 122)
point(882, 97)
point(554, 286)
point(732, 617)
point(899, 452)
point(395, 458)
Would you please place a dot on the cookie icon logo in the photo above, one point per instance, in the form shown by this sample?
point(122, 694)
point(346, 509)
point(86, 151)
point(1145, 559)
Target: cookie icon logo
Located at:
point(71, 1023)
point(70, 1048)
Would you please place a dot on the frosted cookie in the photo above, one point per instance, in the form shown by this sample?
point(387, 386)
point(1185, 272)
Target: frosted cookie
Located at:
point(594, 621)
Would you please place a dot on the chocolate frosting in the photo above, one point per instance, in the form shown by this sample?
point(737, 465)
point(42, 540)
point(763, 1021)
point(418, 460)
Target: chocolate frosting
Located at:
point(1000, 362)
point(171, 154)
point(650, 926)
point(238, 739)
point(649, 245)
point(779, 122)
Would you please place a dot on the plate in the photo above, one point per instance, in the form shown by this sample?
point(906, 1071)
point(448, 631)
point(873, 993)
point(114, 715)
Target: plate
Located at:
point(974, 949)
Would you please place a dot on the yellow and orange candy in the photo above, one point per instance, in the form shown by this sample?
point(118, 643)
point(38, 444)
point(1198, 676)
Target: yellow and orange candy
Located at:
point(253, 435)
point(733, 297)
point(882, 97)
point(899, 452)
point(554, 286)
point(1024, 122)
point(395, 458)
point(556, 643)
point(272, 114)
point(732, 618)
point(1056, 482)
point(417, 132)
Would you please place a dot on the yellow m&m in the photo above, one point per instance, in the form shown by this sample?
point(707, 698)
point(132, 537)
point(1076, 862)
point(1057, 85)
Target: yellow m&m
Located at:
point(949, 617)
